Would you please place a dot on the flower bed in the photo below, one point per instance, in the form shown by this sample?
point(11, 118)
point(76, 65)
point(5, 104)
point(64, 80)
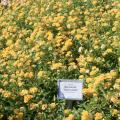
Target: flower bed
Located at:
point(42, 41)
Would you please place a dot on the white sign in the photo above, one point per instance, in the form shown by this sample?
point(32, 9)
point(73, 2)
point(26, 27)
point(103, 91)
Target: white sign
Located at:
point(70, 89)
point(5, 2)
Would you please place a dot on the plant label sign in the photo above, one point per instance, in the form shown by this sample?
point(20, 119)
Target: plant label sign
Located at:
point(70, 89)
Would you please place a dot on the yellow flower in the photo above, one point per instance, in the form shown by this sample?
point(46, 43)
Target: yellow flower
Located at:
point(72, 65)
point(88, 80)
point(33, 90)
point(113, 73)
point(118, 80)
point(9, 42)
point(70, 117)
point(56, 66)
point(1, 115)
point(68, 54)
point(81, 76)
point(107, 85)
point(23, 92)
point(116, 86)
point(5, 83)
point(109, 50)
point(41, 74)
point(27, 98)
point(66, 112)
point(114, 112)
point(39, 115)
point(82, 70)
point(78, 36)
point(115, 100)
point(6, 94)
point(88, 91)
point(44, 106)
point(98, 116)
point(11, 118)
point(94, 2)
point(20, 83)
point(89, 59)
point(86, 115)
point(20, 116)
point(30, 75)
point(33, 106)
point(114, 29)
point(52, 105)
point(92, 73)
point(67, 45)
point(49, 35)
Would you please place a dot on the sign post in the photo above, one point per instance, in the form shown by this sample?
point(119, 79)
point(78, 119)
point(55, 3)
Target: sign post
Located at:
point(69, 104)
point(70, 90)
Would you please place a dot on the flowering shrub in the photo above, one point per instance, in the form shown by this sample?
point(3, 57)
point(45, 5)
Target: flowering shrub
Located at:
point(42, 41)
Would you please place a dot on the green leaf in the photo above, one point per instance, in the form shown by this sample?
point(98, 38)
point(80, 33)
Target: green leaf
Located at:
point(0, 76)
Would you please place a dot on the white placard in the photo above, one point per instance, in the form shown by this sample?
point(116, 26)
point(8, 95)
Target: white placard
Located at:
point(70, 89)
point(4, 2)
